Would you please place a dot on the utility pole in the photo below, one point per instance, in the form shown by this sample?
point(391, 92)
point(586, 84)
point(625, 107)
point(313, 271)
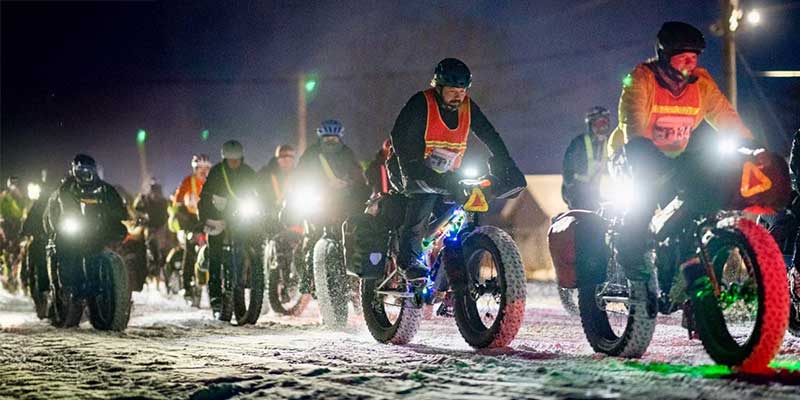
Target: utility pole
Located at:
point(141, 138)
point(302, 112)
point(731, 14)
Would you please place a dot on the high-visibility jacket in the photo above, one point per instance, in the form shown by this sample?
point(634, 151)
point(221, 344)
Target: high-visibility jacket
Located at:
point(649, 110)
point(188, 193)
point(438, 136)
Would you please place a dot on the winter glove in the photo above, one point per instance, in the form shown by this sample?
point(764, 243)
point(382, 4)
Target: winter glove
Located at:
point(510, 181)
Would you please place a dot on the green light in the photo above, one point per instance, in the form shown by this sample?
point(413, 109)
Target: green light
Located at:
point(311, 84)
point(627, 81)
point(204, 135)
point(700, 371)
point(790, 365)
point(141, 136)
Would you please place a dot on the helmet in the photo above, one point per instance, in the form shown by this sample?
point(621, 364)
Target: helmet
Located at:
point(453, 73)
point(84, 170)
point(594, 113)
point(200, 160)
point(330, 127)
point(13, 181)
point(232, 150)
point(284, 150)
point(677, 37)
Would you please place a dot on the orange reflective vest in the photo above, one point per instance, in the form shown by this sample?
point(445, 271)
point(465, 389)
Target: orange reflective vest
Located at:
point(188, 193)
point(672, 119)
point(439, 136)
point(648, 110)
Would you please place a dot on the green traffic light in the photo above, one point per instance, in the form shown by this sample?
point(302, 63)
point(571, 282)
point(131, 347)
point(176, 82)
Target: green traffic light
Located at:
point(311, 84)
point(141, 136)
point(204, 135)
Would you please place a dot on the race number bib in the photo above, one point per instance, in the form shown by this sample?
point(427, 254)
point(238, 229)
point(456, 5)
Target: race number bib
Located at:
point(441, 160)
point(671, 132)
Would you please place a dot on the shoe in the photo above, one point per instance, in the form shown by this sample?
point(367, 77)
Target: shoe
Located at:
point(416, 271)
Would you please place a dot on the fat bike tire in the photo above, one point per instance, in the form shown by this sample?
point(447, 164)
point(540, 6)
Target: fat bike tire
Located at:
point(512, 290)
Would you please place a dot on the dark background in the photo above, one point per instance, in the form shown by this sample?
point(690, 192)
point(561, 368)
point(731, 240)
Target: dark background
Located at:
point(84, 77)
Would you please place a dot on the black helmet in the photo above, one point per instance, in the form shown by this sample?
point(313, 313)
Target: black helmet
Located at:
point(596, 112)
point(84, 170)
point(677, 37)
point(453, 73)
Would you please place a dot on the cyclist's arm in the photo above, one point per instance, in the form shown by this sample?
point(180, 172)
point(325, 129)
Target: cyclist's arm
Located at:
point(719, 112)
point(635, 101)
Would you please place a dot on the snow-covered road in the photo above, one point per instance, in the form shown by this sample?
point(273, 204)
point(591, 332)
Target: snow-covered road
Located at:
point(172, 351)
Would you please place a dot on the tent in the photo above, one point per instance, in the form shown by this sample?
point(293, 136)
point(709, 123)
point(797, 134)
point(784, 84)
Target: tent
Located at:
point(528, 217)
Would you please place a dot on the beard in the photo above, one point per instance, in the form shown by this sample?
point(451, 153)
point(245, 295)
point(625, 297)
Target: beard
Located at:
point(452, 105)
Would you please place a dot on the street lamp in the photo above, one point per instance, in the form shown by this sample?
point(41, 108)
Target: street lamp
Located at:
point(726, 28)
point(754, 17)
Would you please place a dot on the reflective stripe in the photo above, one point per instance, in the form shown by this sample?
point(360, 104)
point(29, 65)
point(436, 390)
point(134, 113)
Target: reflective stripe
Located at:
point(194, 186)
point(384, 180)
point(326, 167)
point(227, 183)
point(683, 110)
point(591, 164)
point(276, 187)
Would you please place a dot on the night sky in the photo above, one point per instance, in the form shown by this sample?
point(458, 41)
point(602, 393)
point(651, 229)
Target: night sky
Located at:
point(85, 77)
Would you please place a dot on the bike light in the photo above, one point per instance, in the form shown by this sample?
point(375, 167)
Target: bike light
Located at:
point(34, 191)
point(248, 208)
point(305, 200)
point(70, 225)
point(470, 172)
point(727, 146)
point(621, 193)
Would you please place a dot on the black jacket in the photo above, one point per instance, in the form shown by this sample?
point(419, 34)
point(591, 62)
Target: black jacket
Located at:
point(67, 200)
point(243, 182)
point(408, 139)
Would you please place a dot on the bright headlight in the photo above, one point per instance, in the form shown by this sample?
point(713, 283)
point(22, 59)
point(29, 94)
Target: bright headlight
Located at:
point(621, 194)
point(470, 172)
point(70, 225)
point(248, 208)
point(728, 146)
point(34, 191)
point(305, 200)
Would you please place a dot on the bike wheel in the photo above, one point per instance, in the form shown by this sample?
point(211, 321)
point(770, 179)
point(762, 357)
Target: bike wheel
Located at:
point(743, 325)
point(66, 309)
point(569, 300)
point(173, 267)
point(283, 282)
point(248, 291)
point(225, 311)
point(490, 309)
point(110, 309)
point(618, 315)
point(331, 283)
point(389, 319)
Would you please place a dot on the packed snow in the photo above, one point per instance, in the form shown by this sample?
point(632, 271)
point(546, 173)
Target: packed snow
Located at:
point(171, 350)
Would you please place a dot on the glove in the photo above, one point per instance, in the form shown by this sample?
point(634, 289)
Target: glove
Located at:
point(214, 227)
point(510, 180)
